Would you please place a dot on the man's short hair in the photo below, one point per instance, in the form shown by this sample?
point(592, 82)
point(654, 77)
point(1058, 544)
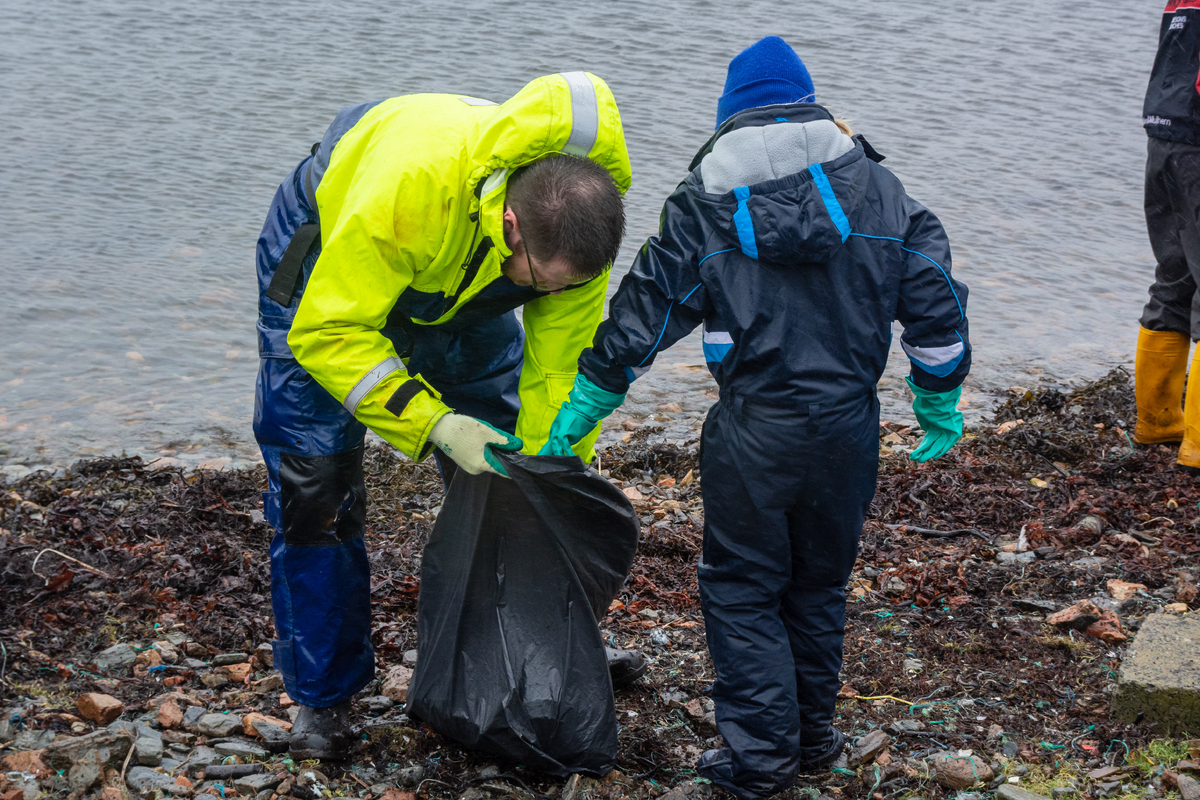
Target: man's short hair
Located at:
point(570, 208)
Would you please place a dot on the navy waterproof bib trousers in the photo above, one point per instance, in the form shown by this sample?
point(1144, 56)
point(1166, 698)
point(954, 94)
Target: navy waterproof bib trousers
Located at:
point(313, 449)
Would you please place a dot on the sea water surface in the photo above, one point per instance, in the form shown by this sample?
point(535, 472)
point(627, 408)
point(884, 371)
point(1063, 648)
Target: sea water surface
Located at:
point(143, 141)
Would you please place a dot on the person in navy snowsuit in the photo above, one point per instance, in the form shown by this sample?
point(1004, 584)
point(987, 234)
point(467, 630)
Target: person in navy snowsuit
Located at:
point(796, 251)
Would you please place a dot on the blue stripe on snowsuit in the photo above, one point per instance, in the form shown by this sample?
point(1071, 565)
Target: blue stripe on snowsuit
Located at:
point(745, 226)
point(831, 202)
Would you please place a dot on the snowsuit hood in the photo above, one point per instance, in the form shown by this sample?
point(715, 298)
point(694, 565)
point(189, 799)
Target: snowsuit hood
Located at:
point(766, 178)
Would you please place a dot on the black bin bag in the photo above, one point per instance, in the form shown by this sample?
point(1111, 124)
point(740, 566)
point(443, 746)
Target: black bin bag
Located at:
point(515, 577)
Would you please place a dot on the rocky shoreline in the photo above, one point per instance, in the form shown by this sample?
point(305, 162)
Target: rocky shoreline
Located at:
point(990, 614)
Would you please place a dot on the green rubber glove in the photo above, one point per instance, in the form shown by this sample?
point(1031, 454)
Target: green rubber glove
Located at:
point(586, 405)
point(470, 441)
point(939, 417)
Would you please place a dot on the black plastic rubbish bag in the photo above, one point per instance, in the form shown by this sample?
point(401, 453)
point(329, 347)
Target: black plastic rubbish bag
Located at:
point(514, 579)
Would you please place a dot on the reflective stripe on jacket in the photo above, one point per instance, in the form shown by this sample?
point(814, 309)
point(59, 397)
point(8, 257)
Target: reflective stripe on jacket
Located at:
point(411, 201)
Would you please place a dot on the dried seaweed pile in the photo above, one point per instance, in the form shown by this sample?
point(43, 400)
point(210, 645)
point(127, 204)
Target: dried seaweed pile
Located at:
point(947, 645)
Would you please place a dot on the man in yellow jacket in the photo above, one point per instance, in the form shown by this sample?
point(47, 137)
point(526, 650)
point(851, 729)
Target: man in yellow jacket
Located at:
point(390, 267)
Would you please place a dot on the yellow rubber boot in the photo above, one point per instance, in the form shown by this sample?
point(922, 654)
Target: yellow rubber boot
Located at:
point(1189, 448)
point(1159, 373)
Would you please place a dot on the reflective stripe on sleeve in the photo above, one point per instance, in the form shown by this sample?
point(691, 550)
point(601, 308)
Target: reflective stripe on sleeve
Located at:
point(585, 115)
point(939, 361)
point(717, 345)
point(370, 381)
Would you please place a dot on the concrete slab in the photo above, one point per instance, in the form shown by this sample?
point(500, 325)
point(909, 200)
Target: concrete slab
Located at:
point(1160, 675)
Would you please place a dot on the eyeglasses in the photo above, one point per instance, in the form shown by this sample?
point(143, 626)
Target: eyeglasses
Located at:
point(534, 281)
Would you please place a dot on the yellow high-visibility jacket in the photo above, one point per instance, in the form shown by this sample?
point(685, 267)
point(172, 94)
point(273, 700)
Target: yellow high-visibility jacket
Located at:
point(410, 191)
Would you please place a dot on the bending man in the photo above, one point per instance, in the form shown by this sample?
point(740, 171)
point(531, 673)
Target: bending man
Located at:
point(389, 267)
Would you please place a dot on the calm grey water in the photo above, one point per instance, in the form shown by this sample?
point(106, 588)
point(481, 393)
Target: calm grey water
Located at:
point(143, 141)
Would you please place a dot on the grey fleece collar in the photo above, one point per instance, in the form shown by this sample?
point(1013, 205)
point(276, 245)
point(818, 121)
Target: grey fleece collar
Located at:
point(751, 155)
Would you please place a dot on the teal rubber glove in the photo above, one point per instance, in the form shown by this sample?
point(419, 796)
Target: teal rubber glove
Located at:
point(470, 441)
point(939, 417)
point(586, 405)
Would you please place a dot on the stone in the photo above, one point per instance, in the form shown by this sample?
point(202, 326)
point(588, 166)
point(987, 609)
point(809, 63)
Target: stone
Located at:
point(274, 738)
point(686, 791)
point(410, 658)
point(167, 651)
point(181, 738)
point(200, 758)
point(1059, 792)
point(253, 784)
point(219, 724)
point(229, 658)
point(271, 683)
point(1160, 675)
point(148, 751)
point(144, 780)
point(410, 776)
point(108, 748)
point(191, 718)
point(1008, 791)
point(959, 771)
point(214, 680)
point(1086, 616)
point(866, 747)
point(378, 704)
point(1091, 523)
point(250, 719)
point(899, 726)
point(1123, 590)
point(148, 658)
point(24, 761)
point(1028, 557)
point(245, 750)
point(1010, 749)
point(1176, 608)
point(118, 658)
point(29, 739)
point(395, 685)
point(83, 775)
point(1189, 787)
point(1091, 562)
point(99, 708)
point(265, 654)
point(237, 673)
point(169, 715)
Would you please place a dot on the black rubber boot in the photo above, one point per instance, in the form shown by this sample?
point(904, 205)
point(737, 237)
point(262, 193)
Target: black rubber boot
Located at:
point(624, 666)
point(322, 733)
point(820, 757)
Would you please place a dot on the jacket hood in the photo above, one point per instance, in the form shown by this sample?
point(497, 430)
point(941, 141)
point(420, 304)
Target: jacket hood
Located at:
point(780, 182)
point(572, 112)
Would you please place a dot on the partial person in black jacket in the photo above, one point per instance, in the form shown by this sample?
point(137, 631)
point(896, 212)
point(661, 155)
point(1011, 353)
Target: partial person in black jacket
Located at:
point(796, 251)
point(1171, 319)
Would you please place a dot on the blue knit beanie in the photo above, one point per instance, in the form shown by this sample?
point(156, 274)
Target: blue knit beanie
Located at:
point(765, 73)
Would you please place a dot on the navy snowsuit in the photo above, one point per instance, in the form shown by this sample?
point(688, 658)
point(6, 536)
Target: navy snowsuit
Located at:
point(796, 251)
